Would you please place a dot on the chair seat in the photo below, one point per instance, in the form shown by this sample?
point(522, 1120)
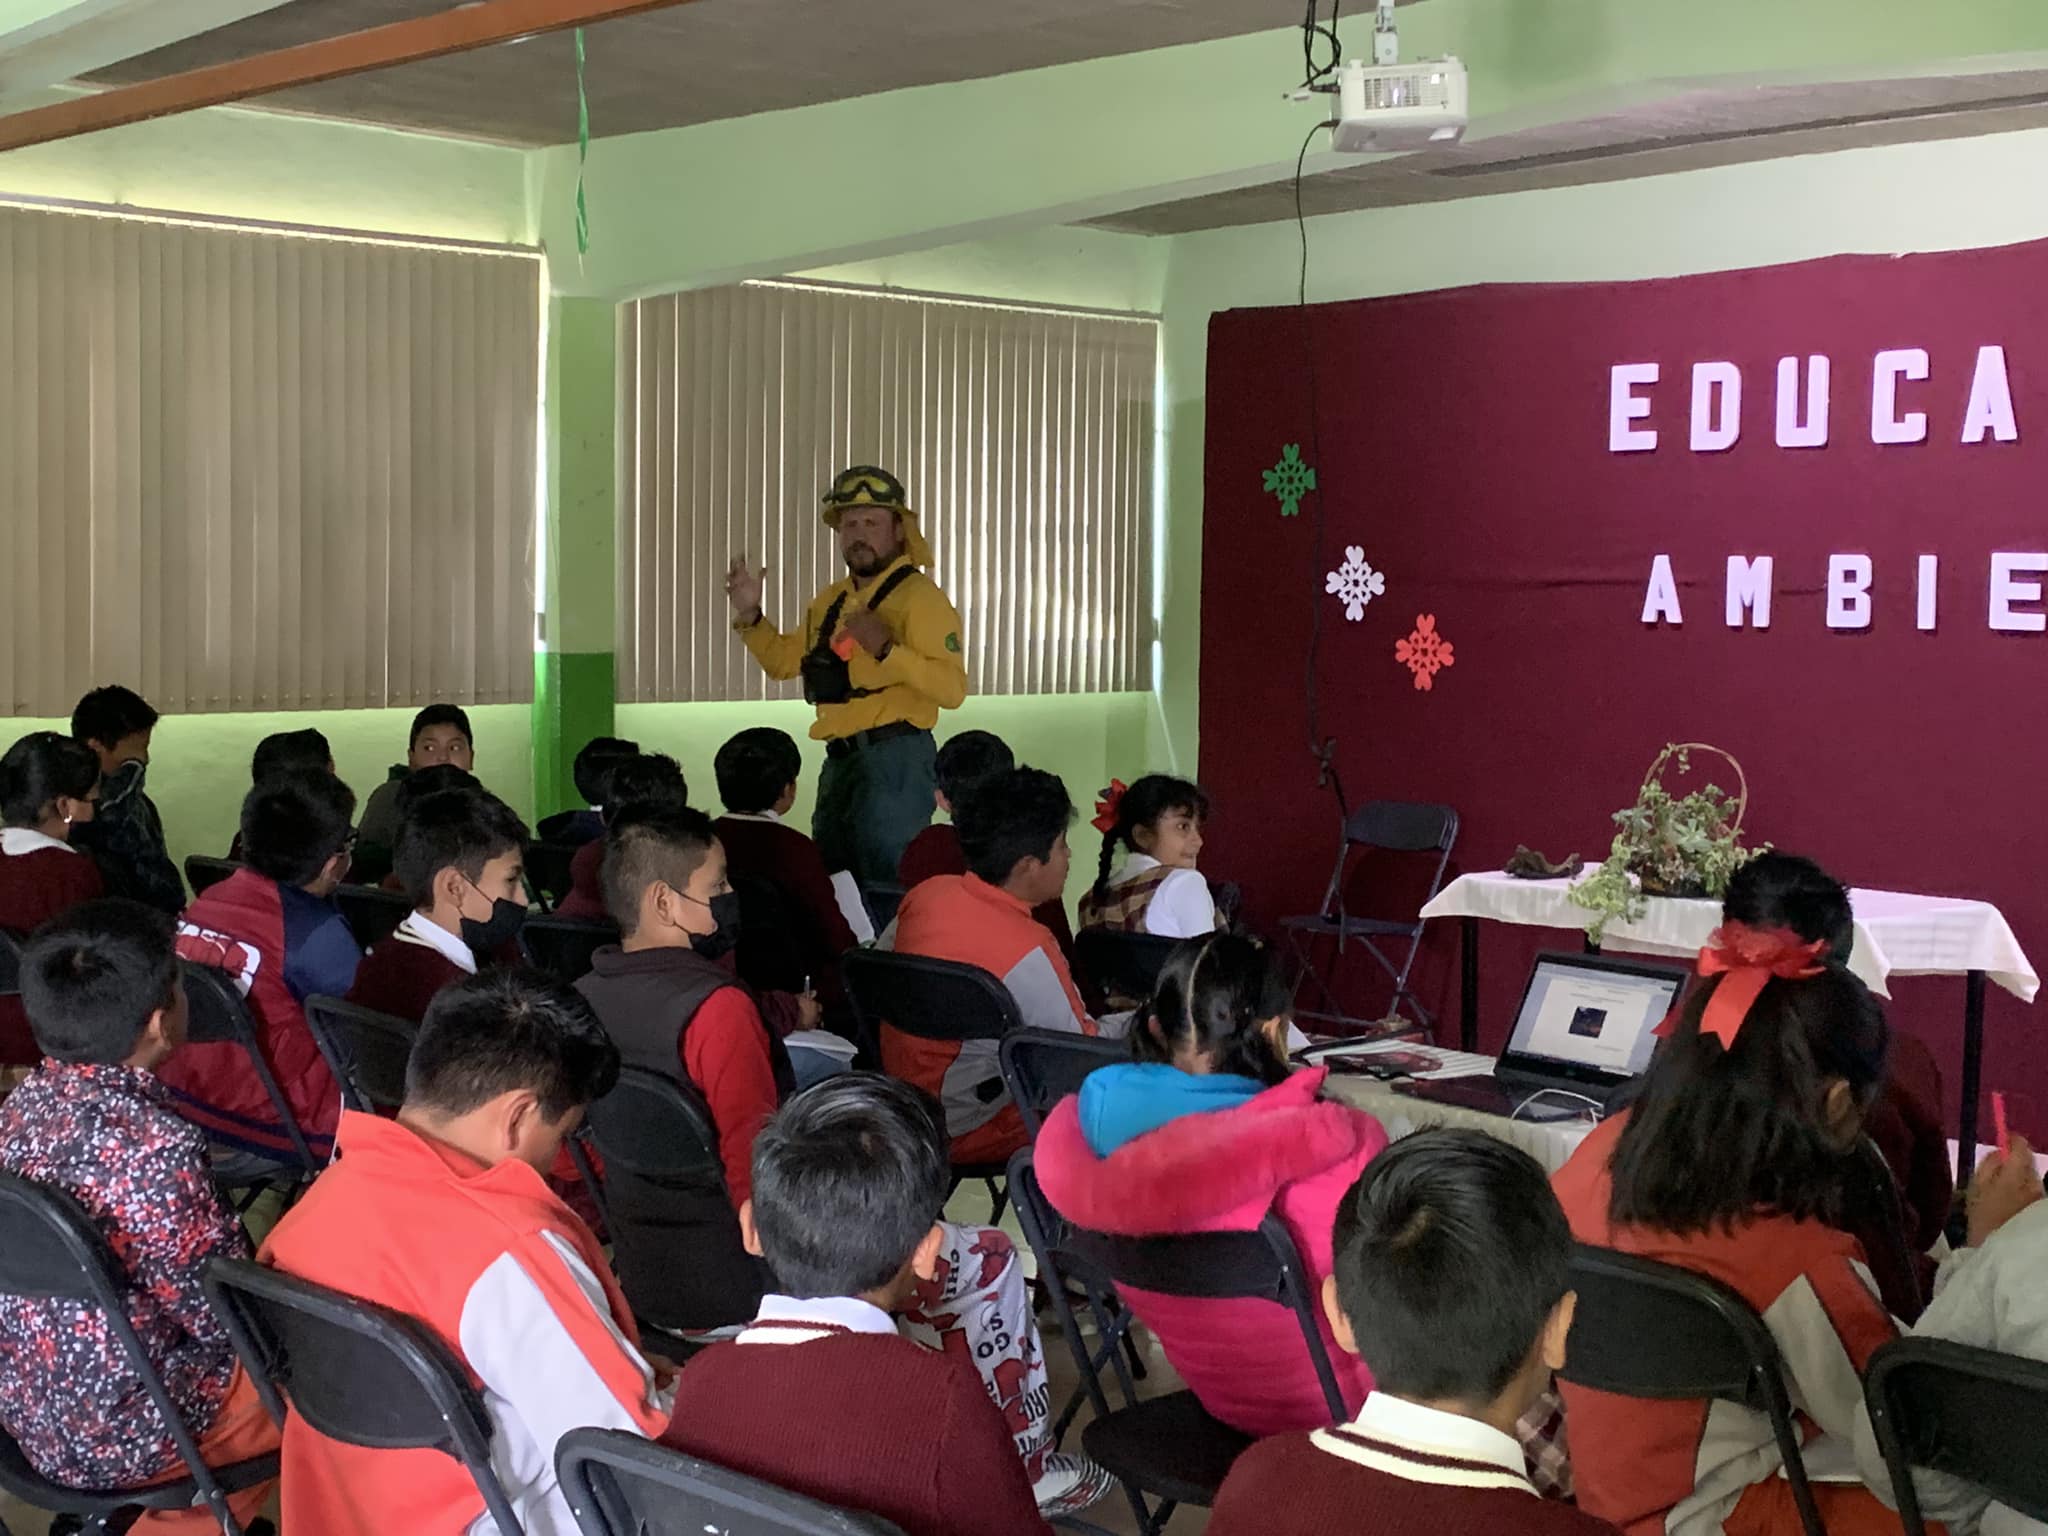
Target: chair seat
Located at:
point(28, 1485)
point(1352, 927)
point(234, 1168)
point(1170, 1446)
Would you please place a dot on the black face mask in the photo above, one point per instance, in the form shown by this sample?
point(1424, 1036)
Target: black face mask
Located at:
point(725, 911)
point(486, 938)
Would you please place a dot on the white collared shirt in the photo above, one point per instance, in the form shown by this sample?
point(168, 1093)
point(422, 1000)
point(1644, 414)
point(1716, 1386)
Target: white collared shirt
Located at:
point(418, 928)
point(786, 1320)
point(19, 840)
point(1428, 1437)
point(1181, 907)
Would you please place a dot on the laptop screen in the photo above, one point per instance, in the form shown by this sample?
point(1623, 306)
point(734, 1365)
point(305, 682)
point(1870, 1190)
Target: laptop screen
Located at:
point(1590, 1018)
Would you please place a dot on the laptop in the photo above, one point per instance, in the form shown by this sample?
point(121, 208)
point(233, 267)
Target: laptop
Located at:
point(1586, 1030)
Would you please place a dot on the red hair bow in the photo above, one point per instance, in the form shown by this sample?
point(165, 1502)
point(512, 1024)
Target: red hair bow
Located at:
point(1107, 804)
point(1746, 959)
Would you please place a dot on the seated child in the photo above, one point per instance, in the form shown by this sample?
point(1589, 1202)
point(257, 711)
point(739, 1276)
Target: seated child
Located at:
point(592, 773)
point(1014, 831)
point(1452, 1260)
point(849, 1182)
point(48, 785)
point(757, 773)
point(102, 989)
point(1157, 889)
point(412, 789)
point(650, 781)
point(440, 734)
point(273, 928)
point(672, 1008)
point(1206, 1131)
point(126, 836)
point(443, 1213)
point(964, 762)
point(460, 857)
point(285, 752)
point(1733, 1161)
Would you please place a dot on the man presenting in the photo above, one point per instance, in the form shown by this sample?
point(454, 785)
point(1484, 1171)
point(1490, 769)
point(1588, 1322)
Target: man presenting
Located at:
point(879, 654)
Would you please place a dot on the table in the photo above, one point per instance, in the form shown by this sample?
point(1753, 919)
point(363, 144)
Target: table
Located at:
point(1897, 934)
point(1550, 1142)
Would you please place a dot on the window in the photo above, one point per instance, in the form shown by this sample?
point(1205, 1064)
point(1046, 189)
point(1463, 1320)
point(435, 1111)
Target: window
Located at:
point(251, 470)
point(1023, 437)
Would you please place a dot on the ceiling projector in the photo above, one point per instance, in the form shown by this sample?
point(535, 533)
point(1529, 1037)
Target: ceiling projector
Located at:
point(1389, 109)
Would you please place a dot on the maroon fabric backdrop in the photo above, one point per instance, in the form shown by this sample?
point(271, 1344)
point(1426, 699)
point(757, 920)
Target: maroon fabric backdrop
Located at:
point(1462, 441)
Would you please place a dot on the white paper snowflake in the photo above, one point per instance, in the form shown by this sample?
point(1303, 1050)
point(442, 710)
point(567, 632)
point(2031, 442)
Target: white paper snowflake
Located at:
point(1355, 582)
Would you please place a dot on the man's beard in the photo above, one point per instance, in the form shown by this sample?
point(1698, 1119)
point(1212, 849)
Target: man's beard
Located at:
point(863, 561)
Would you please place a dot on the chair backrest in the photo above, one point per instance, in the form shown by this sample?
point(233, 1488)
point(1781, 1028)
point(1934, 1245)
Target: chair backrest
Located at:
point(932, 999)
point(772, 954)
point(547, 869)
point(1122, 964)
point(1043, 1066)
point(10, 961)
point(1651, 1330)
point(562, 946)
point(1972, 1413)
point(1403, 826)
point(882, 898)
point(355, 1372)
point(216, 1013)
point(372, 914)
point(365, 1050)
point(621, 1485)
point(652, 1126)
point(1399, 827)
point(200, 871)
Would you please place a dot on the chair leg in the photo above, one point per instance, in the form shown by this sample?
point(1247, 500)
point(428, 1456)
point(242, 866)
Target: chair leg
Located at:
point(999, 1201)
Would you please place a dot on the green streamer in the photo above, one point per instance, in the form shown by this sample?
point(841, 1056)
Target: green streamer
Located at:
point(582, 153)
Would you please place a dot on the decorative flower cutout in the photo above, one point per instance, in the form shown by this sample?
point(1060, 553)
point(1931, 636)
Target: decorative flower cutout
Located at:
point(1425, 652)
point(1290, 480)
point(1355, 582)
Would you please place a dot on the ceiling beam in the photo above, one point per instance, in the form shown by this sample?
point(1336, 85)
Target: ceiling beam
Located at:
point(402, 42)
point(47, 42)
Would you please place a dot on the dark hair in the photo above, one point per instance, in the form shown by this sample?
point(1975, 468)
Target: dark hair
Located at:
point(1719, 1134)
point(649, 843)
point(848, 1178)
point(440, 714)
point(505, 1030)
point(293, 824)
point(967, 759)
point(1783, 890)
point(755, 767)
point(288, 751)
point(459, 829)
point(111, 714)
point(1212, 995)
point(1153, 796)
point(651, 780)
point(1012, 816)
point(1451, 1253)
point(422, 783)
point(594, 764)
point(40, 767)
point(91, 978)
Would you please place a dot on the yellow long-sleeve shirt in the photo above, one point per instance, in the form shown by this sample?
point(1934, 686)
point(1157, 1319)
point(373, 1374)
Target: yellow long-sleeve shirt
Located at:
point(923, 673)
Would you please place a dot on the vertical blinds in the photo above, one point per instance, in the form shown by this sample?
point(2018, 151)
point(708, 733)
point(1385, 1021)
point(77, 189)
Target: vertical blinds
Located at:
point(251, 471)
point(1024, 438)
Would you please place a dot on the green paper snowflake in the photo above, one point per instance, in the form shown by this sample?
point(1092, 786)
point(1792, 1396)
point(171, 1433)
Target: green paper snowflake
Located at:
point(1290, 480)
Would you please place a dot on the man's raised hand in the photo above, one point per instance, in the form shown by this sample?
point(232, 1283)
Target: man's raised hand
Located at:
point(743, 586)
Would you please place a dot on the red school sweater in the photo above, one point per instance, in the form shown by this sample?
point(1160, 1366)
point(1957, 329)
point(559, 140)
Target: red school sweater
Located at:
point(36, 886)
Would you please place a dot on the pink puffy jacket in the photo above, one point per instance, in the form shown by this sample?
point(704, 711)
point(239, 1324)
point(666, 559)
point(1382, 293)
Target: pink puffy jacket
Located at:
point(1285, 1150)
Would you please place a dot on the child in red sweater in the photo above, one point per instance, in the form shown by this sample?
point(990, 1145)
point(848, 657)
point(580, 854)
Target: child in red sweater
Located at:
point(849, 1182)
point(1451, 1272)
point(48, 783)
point(652, 782)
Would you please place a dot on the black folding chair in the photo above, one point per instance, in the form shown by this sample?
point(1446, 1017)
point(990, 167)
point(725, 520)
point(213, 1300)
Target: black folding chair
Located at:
point(547, 870)
point(882, 899)
point(773, 955)
point(50, 1248)
point(216, 1012)
point(372, 913)
point(364, 1049)
point(621, 1485)
point(356, 1372)
point(1651, 1330)
point(1390, 826)
point(934, 1000)
point(563, 946)
point(1043, 1066)
point(200, 871)
point(1124, 967)
point(1971, 1413)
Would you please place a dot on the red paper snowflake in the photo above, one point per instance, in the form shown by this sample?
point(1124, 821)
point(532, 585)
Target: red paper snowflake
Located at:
point(1424, 652)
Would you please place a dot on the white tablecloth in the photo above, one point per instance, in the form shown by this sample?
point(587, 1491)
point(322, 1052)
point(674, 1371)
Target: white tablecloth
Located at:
point(1896, 934)
point(1550, 1142)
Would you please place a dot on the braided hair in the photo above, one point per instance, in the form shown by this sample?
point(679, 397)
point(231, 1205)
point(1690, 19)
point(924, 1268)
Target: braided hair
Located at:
point(1213, 998)
point(1142, 805)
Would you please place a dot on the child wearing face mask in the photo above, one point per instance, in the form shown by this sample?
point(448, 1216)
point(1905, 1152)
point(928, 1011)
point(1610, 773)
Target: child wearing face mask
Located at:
point(461, 864)
point(1157, 889)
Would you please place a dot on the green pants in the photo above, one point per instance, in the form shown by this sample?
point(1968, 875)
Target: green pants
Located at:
point(872, 801)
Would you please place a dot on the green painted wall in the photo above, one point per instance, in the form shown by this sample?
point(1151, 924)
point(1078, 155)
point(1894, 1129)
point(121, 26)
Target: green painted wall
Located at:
point(1060, 264)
